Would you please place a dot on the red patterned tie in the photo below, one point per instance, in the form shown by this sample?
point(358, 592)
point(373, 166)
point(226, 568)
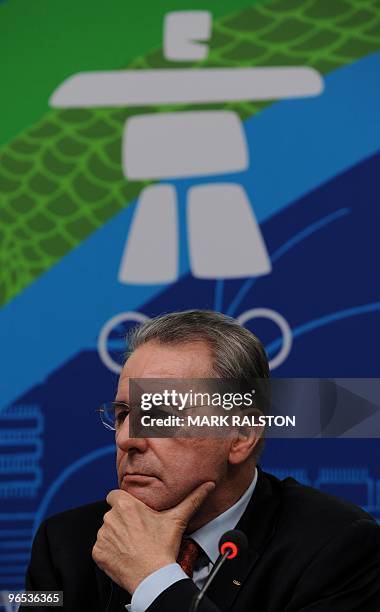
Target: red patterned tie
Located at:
point(187, 556)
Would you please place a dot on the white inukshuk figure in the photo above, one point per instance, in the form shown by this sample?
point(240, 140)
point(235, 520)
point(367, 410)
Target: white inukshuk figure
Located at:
point(224, 237)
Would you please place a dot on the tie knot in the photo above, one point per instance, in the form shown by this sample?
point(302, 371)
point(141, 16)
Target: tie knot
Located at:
point(187, 556)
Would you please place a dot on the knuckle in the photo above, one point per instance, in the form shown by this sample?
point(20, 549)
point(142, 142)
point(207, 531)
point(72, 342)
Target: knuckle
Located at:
point(182, 524)
point(107, 518)
point(121, 503)
point(194, 503)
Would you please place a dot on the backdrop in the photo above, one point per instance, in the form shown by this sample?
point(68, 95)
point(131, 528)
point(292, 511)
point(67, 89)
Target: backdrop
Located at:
point(144, 168)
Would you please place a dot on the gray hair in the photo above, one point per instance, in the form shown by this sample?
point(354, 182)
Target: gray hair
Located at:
point(237, 353)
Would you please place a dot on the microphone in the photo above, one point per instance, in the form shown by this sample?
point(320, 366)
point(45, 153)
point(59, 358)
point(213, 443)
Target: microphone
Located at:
point(231, 544)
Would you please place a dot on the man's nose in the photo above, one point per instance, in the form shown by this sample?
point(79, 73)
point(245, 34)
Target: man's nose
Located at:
point(126, 442)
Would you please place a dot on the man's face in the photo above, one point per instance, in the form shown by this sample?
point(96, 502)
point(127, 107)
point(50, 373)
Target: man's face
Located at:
point(162, 471)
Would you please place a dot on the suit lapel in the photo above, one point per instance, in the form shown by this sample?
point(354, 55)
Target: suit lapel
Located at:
point(258, 523)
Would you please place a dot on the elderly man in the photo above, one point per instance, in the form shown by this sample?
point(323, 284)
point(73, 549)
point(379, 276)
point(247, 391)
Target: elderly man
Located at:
point(154, 542)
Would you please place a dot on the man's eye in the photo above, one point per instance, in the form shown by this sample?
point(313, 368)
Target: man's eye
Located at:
point(162, 414)
point(120, 417)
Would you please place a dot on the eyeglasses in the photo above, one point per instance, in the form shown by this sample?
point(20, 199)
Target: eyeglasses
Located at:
point(113, 414)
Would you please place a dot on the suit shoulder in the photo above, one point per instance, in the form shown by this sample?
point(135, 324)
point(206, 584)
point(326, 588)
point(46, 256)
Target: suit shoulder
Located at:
point(87, 511)
point(313, 499)
point(83, 519)
point(316, 512)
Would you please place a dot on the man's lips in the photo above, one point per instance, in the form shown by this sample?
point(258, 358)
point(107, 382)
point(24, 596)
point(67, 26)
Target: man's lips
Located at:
point(137, 475)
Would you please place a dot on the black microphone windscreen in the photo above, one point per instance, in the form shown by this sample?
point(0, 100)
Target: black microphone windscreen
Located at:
point(237, 537)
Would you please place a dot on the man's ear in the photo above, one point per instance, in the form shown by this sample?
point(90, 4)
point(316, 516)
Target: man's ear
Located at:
point(244, 443)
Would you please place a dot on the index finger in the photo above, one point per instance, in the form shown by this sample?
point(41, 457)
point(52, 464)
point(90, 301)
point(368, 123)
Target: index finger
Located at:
point(118, 495)
point(115, 495)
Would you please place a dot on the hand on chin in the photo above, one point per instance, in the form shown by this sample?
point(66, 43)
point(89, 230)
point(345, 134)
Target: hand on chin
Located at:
point(135, 540)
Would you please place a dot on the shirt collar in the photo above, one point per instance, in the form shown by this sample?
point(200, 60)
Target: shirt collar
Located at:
point(208, 536)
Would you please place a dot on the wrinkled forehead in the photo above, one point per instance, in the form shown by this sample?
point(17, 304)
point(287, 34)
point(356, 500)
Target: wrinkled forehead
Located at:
point(156, 360)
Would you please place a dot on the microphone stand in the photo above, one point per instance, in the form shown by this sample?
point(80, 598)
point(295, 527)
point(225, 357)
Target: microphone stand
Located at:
point(199, 596)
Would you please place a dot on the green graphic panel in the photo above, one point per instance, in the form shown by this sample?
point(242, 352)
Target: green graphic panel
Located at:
point(46, 41)
point(61, 179)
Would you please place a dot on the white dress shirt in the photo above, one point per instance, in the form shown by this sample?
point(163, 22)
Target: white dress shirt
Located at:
point(207, 537)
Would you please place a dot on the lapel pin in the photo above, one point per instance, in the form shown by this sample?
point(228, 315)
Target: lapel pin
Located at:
point(237, 582)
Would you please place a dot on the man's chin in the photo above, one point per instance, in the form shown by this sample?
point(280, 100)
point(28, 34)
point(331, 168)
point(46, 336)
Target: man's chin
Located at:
point(150, 495)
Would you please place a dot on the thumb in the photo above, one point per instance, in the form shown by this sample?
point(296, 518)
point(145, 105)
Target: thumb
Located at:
point(191, 504)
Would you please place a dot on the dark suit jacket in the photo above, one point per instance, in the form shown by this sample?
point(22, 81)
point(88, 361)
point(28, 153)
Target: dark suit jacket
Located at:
point(308, 552)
